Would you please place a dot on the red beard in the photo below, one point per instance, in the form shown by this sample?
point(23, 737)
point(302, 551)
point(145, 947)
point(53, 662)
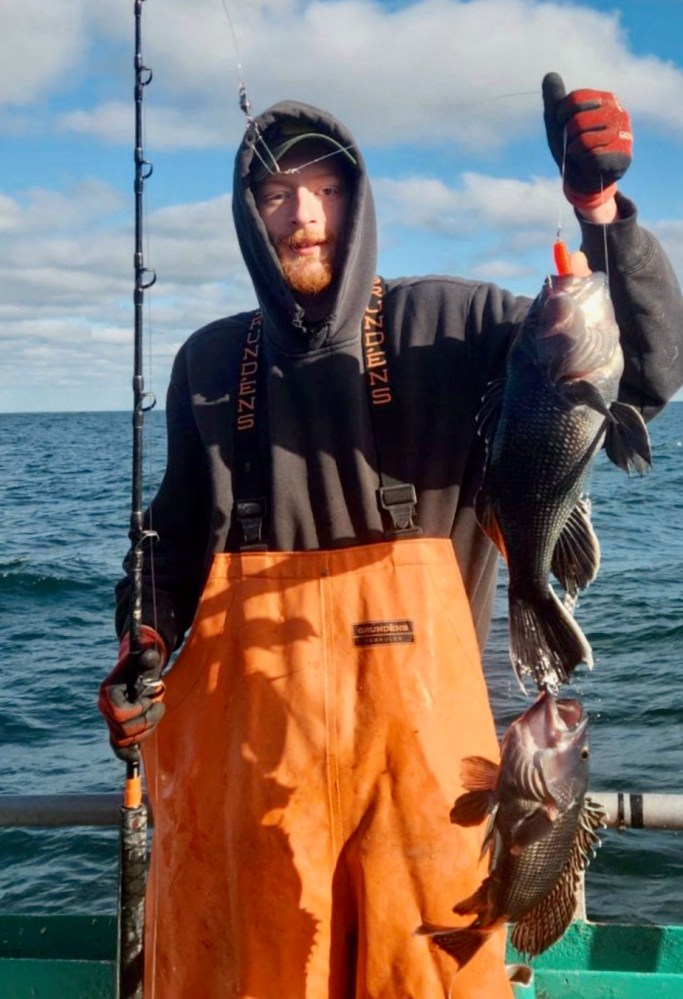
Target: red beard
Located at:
point(303, 275)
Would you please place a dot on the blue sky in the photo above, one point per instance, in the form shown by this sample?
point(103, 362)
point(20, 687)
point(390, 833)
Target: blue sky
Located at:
point(443, 96)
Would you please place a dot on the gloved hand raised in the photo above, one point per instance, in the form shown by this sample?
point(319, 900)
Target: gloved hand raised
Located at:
point(599, 142)
point(133, 716)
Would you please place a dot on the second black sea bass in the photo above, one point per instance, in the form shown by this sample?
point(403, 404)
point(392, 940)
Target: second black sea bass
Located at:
point(542, 831)
point(543, 424)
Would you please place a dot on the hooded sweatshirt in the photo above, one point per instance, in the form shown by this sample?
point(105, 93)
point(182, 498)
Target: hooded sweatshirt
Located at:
point(446, 339)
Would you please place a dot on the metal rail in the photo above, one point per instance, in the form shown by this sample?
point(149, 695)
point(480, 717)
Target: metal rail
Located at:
point(624, 810)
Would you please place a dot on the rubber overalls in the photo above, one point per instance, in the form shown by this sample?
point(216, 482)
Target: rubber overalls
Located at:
point(302, 778)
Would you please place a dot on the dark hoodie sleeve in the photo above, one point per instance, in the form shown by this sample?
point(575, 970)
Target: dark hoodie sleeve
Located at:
point(180, 515)
point(648, 305)
point(494, 316)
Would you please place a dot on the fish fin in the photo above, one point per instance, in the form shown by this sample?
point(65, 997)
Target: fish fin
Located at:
point(576, 558)
point(471, 808)
point(489, 411)
point(546, 922)
point(583, 393)
point(479, 773)
point(488, 843)
point(431, 929)
point(486, 516)
point(593, 817)
point(627, 441)
point(477, 904)
point(530, 828)
point(545, 640)
point(461, 944)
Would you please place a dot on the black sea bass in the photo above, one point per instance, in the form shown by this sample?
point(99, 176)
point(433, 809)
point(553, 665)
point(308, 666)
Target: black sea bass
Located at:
point(542, 831)
point(543, 424)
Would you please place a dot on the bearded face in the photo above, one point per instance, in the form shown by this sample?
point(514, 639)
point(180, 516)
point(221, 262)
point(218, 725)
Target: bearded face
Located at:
point(303, 207)
point(308, 273)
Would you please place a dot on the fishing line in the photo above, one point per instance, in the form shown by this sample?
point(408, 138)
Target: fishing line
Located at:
point(243, 99)
point(266, 157)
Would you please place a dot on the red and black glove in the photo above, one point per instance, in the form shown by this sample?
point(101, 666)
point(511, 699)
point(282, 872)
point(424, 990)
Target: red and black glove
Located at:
point(598, 147)
point(133, 708)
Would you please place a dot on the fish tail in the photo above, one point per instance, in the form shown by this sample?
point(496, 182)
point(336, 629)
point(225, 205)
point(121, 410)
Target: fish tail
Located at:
point(545, 640)
point(462, 945)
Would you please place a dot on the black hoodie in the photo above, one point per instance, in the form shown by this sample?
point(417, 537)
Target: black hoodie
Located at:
point(446, 339)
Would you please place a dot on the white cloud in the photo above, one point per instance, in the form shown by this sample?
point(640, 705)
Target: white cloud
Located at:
point(66, 290)
point(493, 203)
point(435, 71)
point(462, 75)
point(41, 44)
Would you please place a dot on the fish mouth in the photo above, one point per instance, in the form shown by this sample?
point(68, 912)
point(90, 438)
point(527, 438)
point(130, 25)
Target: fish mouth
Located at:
point(557, 720)
point(566, 720)
point(570, 712)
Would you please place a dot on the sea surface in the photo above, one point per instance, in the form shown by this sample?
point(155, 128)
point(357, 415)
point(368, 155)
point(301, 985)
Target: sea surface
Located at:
point(64, 510)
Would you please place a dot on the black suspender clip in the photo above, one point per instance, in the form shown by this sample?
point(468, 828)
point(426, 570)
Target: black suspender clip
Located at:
point(400, 501)
point(250, 514)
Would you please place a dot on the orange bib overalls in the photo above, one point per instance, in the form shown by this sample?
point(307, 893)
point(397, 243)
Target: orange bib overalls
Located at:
point(302, 778)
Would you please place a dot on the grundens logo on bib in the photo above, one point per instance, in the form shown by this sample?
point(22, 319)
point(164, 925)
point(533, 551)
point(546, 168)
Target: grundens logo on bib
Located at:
point(383, 633)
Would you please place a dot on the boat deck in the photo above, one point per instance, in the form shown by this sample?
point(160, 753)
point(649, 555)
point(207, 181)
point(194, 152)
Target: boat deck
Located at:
point(74, 957)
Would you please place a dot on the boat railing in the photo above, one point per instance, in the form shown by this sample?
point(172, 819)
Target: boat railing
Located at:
point(624, 810)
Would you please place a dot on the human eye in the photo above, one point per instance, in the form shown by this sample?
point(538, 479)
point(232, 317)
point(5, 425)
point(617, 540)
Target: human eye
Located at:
point(270, 199)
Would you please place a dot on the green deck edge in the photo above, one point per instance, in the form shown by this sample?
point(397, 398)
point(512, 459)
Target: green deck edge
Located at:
point(612, 947)
point(73, 957)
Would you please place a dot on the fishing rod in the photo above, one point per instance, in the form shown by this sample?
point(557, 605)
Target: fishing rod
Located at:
point(133, 819)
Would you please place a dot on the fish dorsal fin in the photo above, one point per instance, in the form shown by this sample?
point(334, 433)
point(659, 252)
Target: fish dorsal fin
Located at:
point(592, 818)
point(489, 411)
point(627, 441)
point(487, 424)
point(576, 558)
point(547, 921)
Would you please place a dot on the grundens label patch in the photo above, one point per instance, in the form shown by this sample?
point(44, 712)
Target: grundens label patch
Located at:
point(383, 633)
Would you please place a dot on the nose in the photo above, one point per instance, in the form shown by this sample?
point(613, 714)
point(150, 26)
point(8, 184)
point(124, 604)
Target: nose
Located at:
point(306, 207)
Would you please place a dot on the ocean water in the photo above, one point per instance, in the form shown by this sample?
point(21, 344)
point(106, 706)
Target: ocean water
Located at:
point(64, 508)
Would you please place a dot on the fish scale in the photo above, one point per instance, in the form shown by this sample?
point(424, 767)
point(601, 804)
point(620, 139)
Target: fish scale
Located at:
point(543, 424)
point(542, 831)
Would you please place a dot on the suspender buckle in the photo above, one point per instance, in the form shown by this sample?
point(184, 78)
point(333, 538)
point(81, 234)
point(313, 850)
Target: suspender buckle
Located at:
point(250, 514)
point(400, 501)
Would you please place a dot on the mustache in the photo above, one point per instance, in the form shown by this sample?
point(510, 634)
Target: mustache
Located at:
point(304, 237)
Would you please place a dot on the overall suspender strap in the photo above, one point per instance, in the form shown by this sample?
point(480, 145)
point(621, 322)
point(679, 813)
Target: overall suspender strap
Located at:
point(250, 506)
point(397, 499)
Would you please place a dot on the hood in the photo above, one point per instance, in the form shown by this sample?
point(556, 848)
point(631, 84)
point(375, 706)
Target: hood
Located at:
point(284, 320)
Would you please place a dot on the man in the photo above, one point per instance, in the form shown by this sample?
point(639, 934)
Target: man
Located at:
point(316, 531)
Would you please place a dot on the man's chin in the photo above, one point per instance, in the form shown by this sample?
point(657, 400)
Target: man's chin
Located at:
point(305, 277)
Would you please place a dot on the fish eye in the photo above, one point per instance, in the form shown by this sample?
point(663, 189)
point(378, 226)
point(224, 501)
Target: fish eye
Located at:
point(584, 753)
